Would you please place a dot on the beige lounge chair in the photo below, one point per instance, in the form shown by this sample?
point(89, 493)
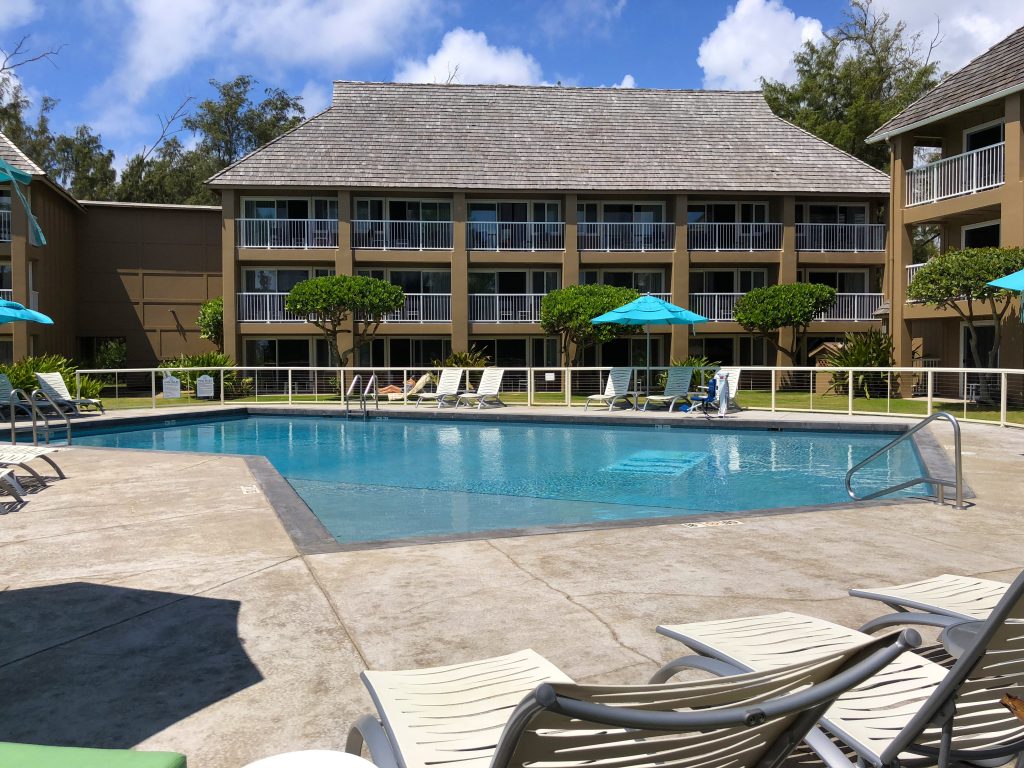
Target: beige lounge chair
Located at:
point(520, 710)
point(421, 382)
point(447, 388)
point(732, 376)
point(913, 712)
point(11, 485)
point(677, 387)
point(19, 455)
point(615, 388)
point(6, 388)
point(486, 391)
point(53, 386)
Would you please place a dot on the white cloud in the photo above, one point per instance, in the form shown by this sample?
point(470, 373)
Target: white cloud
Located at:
point(757, 38)
point(628, 81)
point(465, 56)
point(966, 29)
point(579, 17)
point(17, 13)
point(316, 96)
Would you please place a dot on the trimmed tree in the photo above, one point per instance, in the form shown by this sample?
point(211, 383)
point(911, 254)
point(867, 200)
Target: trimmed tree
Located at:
point(766, 311)
point(568, 312)
point(332, 302)
point(211, 322)
point(957, 280)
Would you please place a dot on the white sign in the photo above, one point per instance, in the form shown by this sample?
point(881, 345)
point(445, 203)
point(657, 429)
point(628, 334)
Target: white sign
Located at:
point(204, 386)
point(549, 377)
point(172, 387)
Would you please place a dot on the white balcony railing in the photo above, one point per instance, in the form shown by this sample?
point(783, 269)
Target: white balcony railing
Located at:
point(423, 308)
point(265, 308)
point(386, 235)
point(6, 294)
point(515, 235)
point(602, 236)
point(912, 269)
point(5, 226)
point(505, 307)
point(714, 306)
point(840, 237)
point(957, 175)
point(704, 236)
point(853, 307)
point(287, 233)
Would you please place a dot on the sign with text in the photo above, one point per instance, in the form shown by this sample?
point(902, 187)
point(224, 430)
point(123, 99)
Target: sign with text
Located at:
point(172, 387)
point(204, 386)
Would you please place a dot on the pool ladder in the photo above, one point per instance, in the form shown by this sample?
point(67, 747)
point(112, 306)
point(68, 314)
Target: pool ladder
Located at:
point(370, 390)
point(940, 484)
point(31, 403)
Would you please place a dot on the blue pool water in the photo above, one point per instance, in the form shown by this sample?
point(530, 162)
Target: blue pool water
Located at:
point(399, 478)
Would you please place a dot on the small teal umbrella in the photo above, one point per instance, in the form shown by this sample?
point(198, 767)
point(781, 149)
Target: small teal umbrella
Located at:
point(12, 312)
point(649, 310)
point(1014, 282)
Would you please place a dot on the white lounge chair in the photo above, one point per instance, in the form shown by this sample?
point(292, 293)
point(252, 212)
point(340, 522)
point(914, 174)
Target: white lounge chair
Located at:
point(677, 387)
point(6, 388)
point(941, 601)
point(53, 386)
point(420, 383)
point(520, 710)
point(732, 376)
point(615, 388)
point(447, 388)
point(12, 456)
point(11, 484)
point(913, 712)
point(486, 391)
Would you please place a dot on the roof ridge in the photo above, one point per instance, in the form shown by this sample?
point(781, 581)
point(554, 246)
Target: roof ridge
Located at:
point(545, 87)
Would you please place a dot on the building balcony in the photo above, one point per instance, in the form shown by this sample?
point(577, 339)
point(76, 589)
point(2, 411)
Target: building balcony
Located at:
point(958, 175)
point(846, 238)
point(912, 269)
point(386, 235)
point(515, 235)
point(423, 308)
point(6, 294)
point(5, 226)
point(264, 308)
point(287, 233)
point(705, 236)
point(505, 307)
point(601, 236)
point(849, 307)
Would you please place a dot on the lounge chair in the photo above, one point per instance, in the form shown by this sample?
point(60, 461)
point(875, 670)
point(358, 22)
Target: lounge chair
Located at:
point(6, 388)
point(420, 383)
point(732, 376)
point(447, 388)
point(941, 601)
point(520, 710)
point(12, 486)
point(486, 391)
point(616, 388)
point(53, 386)
point(19, 455)
point(677, 387)
point(913, 712)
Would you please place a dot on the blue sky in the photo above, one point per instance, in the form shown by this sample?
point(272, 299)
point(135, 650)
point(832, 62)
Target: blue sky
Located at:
point(123, 62)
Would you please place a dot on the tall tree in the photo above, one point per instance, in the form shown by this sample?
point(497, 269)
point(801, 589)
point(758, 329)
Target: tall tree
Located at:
point(864, 72)
point(765, 311)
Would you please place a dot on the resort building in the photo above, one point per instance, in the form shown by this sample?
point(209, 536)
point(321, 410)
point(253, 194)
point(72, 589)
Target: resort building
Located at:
point(126, 271)
point(957, 167)
point(478, 200)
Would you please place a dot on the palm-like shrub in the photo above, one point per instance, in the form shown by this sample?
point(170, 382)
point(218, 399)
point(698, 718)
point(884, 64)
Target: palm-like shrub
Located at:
point(872, 349)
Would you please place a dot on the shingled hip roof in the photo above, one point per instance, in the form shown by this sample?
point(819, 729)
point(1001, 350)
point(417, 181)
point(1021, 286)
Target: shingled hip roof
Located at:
point(488, 137)
point(18, 159)
point(997, 72)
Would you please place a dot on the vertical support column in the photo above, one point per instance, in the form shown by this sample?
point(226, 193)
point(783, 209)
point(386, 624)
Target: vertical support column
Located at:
point(571, 255)
point(460, 275)
point(19, 272)
point(899, 256)
point(681, 279)
point(787, 268)
point(229, 274)
point(344, 258)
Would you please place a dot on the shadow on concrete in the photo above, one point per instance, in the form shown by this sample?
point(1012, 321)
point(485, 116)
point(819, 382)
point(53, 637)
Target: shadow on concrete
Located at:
point(93, 665)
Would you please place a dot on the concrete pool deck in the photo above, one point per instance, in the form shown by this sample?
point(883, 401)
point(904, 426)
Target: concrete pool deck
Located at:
point(155, 599)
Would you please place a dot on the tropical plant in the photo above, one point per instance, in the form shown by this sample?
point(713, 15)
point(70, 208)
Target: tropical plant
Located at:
point(873, 349)
point(211, 322)
point(188, 368)
point(23, 374)
point(766, 311)
point(110, 353)
point(568, 313)
point(332, 302)
point(472, 358)
point(701, 365)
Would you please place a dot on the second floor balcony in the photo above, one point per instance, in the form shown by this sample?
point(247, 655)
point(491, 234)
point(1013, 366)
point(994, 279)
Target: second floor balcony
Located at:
point(629, 236)
point(258, 307)
point(912, 269)
point(963, 174)
point(849, 238)
point(287, 233)
point(849, 307)
point(5, 226)
point(734, 236)
point(515, 235)
point(386, 234)
point(505, 307)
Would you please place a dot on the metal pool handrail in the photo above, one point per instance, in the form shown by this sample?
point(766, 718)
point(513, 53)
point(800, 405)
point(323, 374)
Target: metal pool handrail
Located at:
point(940, 484)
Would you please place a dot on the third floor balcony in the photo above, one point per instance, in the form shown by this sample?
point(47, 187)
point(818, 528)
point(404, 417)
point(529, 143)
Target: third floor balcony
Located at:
point(849, 307)
point(626, 236)
point(963, 174)
point(287, 233)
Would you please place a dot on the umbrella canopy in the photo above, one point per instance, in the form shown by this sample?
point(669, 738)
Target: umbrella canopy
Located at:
point(649, 310)
point(1014, 282)
point(12, 312)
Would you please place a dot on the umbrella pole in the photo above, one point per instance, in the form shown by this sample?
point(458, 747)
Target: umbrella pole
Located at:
point(647, 384)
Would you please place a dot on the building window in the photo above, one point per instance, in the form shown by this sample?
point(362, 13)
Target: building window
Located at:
point(843, 280)
point(5, 276)
point(644, 281)
point(413, 280)
point(982, 136)
point(277, 352)
point(272, 279)
point(727, 280)
point(417, 353)
point(727, 213)
point(513, 281)
point(6, 351)
point(982, 235)
point(290, 208)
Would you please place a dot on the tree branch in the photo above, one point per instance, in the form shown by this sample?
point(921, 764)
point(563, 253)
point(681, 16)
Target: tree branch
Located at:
point(166, 121)
point(19, 56)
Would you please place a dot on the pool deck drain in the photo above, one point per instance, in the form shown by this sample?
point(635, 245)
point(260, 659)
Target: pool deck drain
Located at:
point(206, 631)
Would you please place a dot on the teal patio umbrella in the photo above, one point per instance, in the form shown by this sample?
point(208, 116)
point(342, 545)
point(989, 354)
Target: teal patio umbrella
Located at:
point(12, 312)
point(1014, 282)
point(649, 310)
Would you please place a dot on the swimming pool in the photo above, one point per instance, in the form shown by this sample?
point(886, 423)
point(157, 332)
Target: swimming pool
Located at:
point(388, 479)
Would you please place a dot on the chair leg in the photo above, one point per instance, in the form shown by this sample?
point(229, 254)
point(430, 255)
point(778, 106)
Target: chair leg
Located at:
point(368, 729)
